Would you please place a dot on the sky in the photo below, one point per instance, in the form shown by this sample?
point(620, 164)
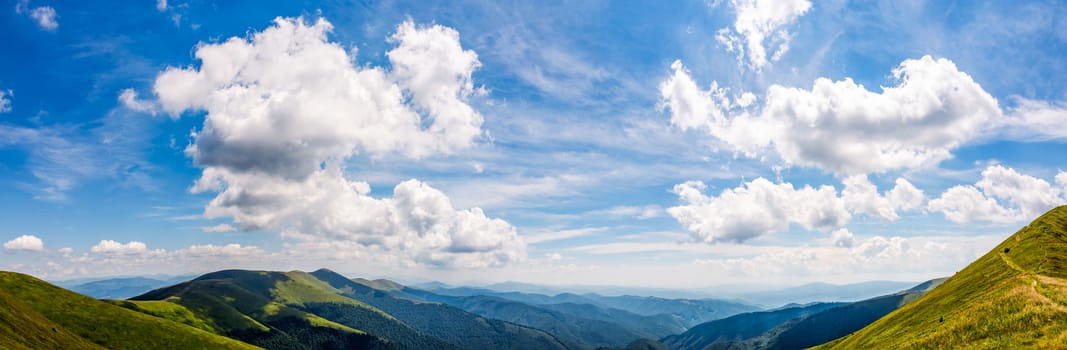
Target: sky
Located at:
point(688, 144)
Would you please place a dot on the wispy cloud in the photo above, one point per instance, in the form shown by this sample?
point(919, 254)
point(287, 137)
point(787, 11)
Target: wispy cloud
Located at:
point(562, 235)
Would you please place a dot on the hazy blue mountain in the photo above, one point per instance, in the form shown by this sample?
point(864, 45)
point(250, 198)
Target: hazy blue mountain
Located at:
point(824, 292)
point(740, 327)
point(590, 324)
point(688, 312)
point(119, 288)
point(445, 322)
point(829, 321)
point(829, 324)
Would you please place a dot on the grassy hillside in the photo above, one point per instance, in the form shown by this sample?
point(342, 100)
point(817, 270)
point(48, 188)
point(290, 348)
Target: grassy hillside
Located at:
point(1014, 296)
point(285, 310)
point(22, 327)
point(41, 315)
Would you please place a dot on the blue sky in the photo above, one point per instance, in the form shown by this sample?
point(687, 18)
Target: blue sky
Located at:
point(682, 144)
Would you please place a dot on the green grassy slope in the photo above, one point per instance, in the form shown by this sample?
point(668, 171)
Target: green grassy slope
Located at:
point(283, 310)
point(22, 327)
point(1014, 296)
point(41, 304)
point(167, 310)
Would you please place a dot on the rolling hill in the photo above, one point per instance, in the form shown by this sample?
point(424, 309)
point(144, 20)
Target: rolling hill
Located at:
point(38, 315)
point(278, 310)
point(587, 323)
point(1014, 296)
point(740, 327)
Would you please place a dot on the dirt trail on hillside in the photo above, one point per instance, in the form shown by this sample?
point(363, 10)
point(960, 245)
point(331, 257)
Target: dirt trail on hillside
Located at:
point(1039, 279)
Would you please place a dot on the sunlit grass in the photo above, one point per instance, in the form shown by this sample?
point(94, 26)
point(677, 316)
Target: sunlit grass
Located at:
point(1014, 296)
point(106, 324)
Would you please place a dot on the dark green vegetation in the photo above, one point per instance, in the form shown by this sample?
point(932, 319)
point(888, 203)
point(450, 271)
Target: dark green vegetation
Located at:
point(829, 324)
point(1015, 296)
point(740, 327)
point(38, 315)
point(275, 310)
point(587, 323)
point(448, 323)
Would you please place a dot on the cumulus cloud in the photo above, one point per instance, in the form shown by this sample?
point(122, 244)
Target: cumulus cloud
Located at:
point(286, 107)
point(760, 207)
point(1002, 195)
point(843, 238)
point(873, 256)
point(110, 257)
point(755, 208)
point(842, 127)
point(861, 196)
point(25, 242)
point(161, 5)
point(110, 247)
point(5, 100)
point(760, 30)
point(45, 16)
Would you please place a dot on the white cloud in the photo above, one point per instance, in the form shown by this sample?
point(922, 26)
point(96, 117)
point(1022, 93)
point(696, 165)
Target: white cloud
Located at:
point(760, 207)
point(1032, 120)
point(879, 247)
point(755, 208)
point(562, 235)
point(128, 97)
point(964, 203)
point(843, 238)
point(161, 5)
point(218, 228)
point(760, 30)
point(5, 100)
point(638, 212)
point(113, 248)
point(842, 127)
point(876, 257)
point(211, 250)
point(1002, 195)
point(111, 258)
point(286, 107)
point(25, 242)
point(861, 196)
point(45, 17)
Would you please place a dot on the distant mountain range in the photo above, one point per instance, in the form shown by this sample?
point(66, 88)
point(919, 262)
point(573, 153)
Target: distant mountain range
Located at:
point(1014, 296)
